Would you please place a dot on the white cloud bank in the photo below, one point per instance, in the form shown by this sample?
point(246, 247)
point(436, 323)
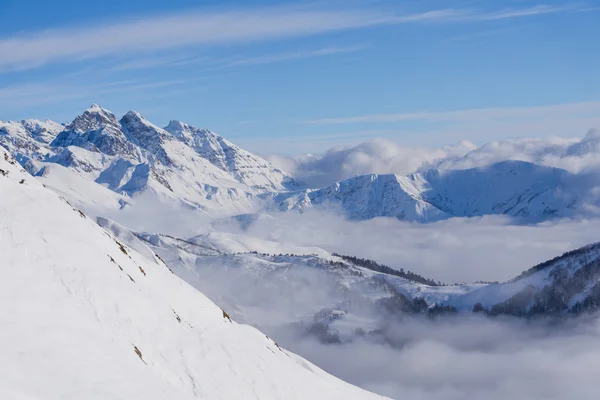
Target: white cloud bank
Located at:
point(574, 155)
point(456, 250)
point(454, 358)
point(470, 358)
point(379, 156)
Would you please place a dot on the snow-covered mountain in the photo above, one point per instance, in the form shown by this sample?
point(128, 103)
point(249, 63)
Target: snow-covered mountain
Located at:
point(243, 165)
point(85, 315)
point(97, 130)
point(180, 165)
point(369, 196)
point(566, 284)
point(28, 139)
point(514, 188)
point(188, 167)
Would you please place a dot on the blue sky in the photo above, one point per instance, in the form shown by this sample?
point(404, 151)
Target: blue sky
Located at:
point(291, 77)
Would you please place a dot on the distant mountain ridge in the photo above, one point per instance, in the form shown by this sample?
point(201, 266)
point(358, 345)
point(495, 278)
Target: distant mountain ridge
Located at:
point(515, 188)
point(198, 169)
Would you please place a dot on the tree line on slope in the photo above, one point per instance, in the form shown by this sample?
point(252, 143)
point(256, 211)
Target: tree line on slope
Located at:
point(375, 266)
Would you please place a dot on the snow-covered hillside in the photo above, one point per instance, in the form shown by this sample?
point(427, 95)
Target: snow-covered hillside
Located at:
point(304, 290)
point(85, 316)
point(566, 284)
point(356, 294)
point(515, 188)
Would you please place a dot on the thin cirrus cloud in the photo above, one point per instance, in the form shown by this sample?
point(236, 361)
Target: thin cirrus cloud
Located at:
point(164, 62)
point(478, 114)
point(516, 13)
point(154, 62)
point(27, 95)
point(272, 58)
point(210, 28)
point(188, 29)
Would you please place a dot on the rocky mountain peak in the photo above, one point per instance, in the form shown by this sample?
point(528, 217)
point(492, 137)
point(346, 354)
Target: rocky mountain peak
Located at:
point(146, 135)
point(93, 118)
point(98, 130)
point(175, 126)
point(186, 133)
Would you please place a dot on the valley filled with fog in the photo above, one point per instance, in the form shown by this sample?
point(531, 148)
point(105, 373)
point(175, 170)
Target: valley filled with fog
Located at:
point(450, 357)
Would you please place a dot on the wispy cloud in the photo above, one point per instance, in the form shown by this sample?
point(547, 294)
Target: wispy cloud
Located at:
point(588, 9)
point(191, 28)
point(28, 95)
point(154, 62)
point(495, 113)
point(485, 33)
point(216, 64)
point(211, 28)
point(271, 58)
point(518, 13)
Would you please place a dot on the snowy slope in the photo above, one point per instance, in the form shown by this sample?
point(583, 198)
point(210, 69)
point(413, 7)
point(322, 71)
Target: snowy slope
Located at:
point(84, 316)
point(569, 283)
point(277, 286)
point(512, 187)
point(246, 167)
point(81, 192)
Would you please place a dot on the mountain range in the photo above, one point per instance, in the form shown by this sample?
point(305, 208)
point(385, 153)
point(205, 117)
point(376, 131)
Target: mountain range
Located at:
point(197, 169)
point(178, 164)
point(515, 188)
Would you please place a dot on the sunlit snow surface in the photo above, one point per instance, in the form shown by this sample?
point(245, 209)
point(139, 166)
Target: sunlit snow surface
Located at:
point(84, 316)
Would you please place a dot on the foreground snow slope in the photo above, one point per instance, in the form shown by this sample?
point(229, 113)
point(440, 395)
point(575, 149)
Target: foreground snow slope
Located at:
point(83, 316)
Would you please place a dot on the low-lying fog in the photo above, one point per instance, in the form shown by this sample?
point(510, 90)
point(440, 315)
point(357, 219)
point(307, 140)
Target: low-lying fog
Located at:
point(463, 357)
